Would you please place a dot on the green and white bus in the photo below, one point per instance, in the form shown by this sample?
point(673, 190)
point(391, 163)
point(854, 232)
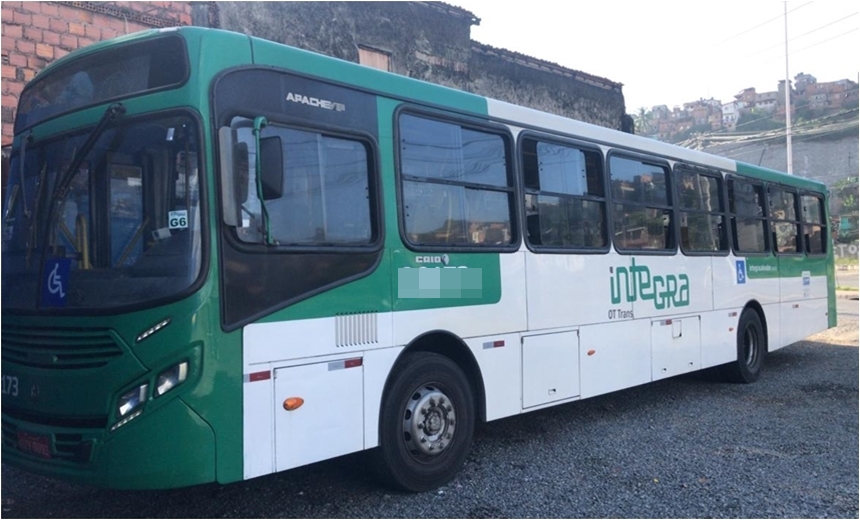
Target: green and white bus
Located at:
point(224, 257)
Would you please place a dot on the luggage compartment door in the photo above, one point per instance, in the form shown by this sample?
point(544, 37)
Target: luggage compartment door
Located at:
point(329, 423)
point(550, 368)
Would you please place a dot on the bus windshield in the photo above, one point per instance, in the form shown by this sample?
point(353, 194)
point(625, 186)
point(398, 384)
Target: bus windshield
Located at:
point(123, 229)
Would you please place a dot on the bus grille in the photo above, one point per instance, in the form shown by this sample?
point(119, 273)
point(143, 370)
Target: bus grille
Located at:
point(70, 348)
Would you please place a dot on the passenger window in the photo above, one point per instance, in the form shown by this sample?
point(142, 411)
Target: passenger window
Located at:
point(700, 214)
point(783, 221)
point(746, 210)
point(641, 209)
point(457, 188)
point(324, 198)
point(565, 199)
point(814, 227)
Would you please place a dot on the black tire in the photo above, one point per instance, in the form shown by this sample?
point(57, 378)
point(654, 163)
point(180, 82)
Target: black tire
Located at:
point(751, 346)
point(435, 385)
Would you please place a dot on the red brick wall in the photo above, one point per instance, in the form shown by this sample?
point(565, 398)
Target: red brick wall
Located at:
point(37, 33)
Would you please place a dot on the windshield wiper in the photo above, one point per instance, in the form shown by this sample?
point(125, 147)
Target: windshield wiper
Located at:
point(64, 181)
point(22, 162)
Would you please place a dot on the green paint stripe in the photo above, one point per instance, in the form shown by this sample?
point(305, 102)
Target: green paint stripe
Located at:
point(768, 175)
point(785, 267)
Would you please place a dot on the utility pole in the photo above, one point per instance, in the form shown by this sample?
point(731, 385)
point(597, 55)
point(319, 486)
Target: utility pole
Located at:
point(788, 153)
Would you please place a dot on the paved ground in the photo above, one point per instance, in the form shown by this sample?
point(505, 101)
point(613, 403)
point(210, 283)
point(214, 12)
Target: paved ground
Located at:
point(848, 279)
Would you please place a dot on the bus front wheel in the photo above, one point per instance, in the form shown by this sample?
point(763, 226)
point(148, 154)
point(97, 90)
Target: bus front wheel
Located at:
point(752, 346)
point(427, 422)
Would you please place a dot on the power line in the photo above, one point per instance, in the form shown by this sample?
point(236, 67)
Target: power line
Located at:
point(744, 148)
point(793, 52)
point(804, 34)
point(761, 24)
point(827, 40)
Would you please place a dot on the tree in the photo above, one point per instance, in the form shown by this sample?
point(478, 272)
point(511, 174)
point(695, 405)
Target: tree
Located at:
point(846, 191)
point(644, 122)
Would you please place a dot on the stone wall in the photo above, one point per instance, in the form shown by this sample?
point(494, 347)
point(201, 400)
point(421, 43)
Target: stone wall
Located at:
point(428, 41)
point(519, 79)
point(424, 40)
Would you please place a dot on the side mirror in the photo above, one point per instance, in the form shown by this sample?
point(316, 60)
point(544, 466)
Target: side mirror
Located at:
point(230, 202)
point(272, 167)
point(241, 171)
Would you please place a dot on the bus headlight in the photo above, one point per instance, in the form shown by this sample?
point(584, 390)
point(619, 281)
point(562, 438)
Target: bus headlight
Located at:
point(171, 378)
point(132, 399)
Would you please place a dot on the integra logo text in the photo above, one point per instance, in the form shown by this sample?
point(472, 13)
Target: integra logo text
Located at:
point(637, 283)
point(315, 102)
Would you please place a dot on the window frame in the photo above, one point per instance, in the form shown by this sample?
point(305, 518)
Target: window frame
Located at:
point(611, 202)
point(800, 248)
point(722, 187)
point(570, 143)
point(736, 251)
point(377, 224)
point(511, 171)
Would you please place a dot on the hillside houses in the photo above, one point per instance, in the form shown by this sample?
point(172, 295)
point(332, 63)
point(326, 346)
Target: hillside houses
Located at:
point(809, 99)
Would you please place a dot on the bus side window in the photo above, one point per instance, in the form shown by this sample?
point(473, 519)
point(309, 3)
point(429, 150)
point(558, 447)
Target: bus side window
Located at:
point(784, 220)
point(315, 188)
point(565, 199)
point(641, 206)
point(457, 185)
point(814, 229)
point(748, 217)
point(700, 212)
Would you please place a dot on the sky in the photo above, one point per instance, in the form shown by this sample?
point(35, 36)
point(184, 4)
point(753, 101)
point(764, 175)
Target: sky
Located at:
point(672, 52)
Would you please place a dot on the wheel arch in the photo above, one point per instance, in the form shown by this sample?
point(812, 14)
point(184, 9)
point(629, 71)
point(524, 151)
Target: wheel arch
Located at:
point(448, 344)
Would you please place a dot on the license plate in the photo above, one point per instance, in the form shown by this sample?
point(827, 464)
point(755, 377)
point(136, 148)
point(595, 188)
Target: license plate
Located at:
point(39, 445)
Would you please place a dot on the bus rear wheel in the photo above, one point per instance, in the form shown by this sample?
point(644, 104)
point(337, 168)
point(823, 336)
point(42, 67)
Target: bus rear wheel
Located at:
point(751, 346)
point(426, 424)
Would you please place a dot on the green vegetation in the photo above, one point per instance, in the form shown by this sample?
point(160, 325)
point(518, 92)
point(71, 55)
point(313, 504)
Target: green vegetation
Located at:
point(754, 121)
point(690, 132)
point(846, 190)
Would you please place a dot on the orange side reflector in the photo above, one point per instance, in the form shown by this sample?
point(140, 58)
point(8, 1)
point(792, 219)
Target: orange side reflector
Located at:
point(591, 352)
point(293, 403)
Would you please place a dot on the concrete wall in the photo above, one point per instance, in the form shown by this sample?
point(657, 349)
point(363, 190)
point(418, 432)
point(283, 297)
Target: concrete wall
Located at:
point(826, 159)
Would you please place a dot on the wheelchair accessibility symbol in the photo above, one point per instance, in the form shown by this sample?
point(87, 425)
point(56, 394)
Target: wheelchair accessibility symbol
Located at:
point(741, 266)
point(55, 282)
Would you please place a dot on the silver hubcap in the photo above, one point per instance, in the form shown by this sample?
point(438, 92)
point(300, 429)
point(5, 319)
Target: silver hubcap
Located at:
point(750, 346)
point(429, 422)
